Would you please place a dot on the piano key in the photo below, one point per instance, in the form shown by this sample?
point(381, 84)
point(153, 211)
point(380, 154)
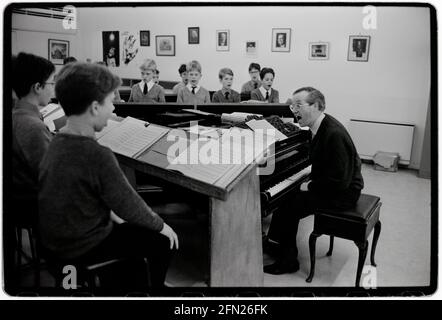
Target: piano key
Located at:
point(288, 181)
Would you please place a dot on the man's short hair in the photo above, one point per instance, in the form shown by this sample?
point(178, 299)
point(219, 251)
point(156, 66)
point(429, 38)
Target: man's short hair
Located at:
point(69, 60)
point(225, 71)
point(314, 95)
point(193, 65)
point(182, 69)
point(264, 71)
point(79, 84)
point(148, 64)
point(29, 69)
point(254, 65)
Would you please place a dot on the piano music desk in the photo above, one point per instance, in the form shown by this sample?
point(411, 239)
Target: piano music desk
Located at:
point(236, 258)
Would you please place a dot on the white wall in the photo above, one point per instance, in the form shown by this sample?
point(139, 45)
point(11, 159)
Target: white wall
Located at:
point(392, 86)
point(31, 34)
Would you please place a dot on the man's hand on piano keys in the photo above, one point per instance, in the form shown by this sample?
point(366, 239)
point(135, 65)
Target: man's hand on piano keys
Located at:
point(304, 186)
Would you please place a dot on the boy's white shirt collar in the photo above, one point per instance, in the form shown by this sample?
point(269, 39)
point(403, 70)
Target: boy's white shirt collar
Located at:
point(189, 86)
point(150, 84)
point(263, 91)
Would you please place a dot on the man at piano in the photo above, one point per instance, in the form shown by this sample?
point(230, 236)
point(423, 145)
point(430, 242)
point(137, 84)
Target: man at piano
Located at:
point(335, 180)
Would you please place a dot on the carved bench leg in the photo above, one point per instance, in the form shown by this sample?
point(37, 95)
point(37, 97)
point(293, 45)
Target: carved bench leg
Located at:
point(362, 246)
point(312, 247)
point(377, 231)
point(330, 249)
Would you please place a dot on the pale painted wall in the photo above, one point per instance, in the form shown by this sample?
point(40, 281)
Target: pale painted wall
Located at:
point(31, 34)
point(392, 86)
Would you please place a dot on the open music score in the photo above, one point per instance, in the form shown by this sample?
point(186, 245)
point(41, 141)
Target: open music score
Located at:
point(132, 137)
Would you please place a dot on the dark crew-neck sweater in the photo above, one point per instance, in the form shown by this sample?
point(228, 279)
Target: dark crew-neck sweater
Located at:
point(336, 166)
point(80, 183)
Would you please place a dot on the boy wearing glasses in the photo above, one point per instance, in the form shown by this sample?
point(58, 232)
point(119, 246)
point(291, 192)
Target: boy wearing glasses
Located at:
point(33, 83)
point(255, 82)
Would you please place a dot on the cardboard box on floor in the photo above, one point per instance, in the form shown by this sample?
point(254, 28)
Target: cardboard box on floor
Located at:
point(386, 161)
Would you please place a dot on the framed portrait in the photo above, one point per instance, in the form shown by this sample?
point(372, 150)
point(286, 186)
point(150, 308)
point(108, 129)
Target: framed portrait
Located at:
point(194, 35)
point(222, 40)
point(145, 38)
point(358, 48)
point(281, 39)
point(251, 47)
point(165, 45)
point(318, 50)
point(58, 50)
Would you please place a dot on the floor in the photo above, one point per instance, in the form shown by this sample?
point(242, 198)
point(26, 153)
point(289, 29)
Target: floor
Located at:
point(403, 251)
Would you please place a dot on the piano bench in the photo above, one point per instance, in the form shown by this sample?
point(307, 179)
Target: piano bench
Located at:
point(353, 224)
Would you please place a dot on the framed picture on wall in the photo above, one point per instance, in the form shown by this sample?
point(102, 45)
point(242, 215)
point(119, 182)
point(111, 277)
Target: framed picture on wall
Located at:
point(222, 40)
point(58, 50)
point(145, 38)
point(318, 50)
point(165, 45)
point(194, 35)
point(251, 47)
point(111, 48)
point(281, 39)
point(358, 48)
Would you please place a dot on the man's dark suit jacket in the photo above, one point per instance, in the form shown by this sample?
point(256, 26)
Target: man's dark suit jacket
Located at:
point(336, 166)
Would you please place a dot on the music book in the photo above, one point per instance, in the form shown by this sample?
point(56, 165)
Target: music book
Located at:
point(215, 161)
point(132, 137)
point(51, 113)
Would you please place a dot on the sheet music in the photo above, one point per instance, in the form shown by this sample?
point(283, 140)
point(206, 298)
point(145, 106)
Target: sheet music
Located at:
point(111, 124)
point(45, 111)
point(132, 137)
point(265, 125)
point(55, 114)
point(208, 173)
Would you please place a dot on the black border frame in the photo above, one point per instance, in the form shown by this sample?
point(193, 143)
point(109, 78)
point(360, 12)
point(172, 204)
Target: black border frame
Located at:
point(279, 292)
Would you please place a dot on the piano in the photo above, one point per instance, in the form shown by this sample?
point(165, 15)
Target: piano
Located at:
point(291, 161)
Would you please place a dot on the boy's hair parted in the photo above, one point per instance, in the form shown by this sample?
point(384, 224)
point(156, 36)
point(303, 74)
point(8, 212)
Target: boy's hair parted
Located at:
point(225, 71)
point(193, 65)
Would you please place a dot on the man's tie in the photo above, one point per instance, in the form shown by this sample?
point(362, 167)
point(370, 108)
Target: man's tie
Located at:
point(145, 88)
point(267, 95)
point(226, 95)
point(193, 89)
point(256, 85)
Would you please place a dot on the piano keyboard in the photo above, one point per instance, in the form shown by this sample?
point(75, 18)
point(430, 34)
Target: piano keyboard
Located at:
point(277, 188)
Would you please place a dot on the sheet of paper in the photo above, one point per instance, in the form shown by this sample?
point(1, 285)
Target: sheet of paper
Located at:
point(54, 115)
point(132, 137)
point(111, 124)
point(267, 127)
point(45, 111)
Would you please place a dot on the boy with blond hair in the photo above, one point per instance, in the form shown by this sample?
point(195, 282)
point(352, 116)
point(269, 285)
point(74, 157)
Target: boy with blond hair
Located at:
point(193, 93)
point(147, 90)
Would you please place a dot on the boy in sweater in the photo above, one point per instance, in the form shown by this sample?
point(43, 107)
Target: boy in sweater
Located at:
point(81, 182)
point(147, 90)
point(193, 93)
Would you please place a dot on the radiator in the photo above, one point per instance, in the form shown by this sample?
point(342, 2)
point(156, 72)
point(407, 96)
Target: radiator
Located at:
point(370, 137)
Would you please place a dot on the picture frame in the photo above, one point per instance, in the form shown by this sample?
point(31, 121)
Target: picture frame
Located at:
point(222, 40)
point(58, 50)
point(358, 48)
point(165, 45)
point(145, 38)
point(281, 38)
point(193, 35)
point(318, 50)
point(251, 47)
